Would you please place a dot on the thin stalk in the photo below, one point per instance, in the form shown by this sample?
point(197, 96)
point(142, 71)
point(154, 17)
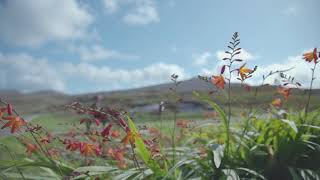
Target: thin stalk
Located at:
point(310, 91)
point(229, 108)
point(174, 128)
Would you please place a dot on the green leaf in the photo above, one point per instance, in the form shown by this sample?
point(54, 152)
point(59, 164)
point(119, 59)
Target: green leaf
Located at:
point(252, 172)
point(231, 174)
point(142, 150)
point(217, 150)
point(291, 124)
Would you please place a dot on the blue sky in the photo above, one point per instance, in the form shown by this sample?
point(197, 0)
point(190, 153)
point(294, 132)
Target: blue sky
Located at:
point(85, 46)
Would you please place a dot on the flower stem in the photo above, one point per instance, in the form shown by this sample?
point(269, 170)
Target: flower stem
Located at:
point(310, 91)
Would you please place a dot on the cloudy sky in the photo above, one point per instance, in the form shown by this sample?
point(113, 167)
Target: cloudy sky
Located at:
point(78, 46)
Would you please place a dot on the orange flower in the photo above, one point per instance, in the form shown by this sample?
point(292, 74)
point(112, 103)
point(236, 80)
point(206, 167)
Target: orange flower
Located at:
point(218, 81)
point(115, 134)
point(309, 56)
point(116, 154)
point(14, 122)
point(87, 149)
point(243, 72)
point(31, 148)
point(110, 152)
point(2, 110)
point(285, 92)
point(276, 102)
point(182, 123)
point(130, 137)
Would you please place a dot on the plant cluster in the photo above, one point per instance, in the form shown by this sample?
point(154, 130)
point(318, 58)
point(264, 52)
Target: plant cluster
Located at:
point(281, 145)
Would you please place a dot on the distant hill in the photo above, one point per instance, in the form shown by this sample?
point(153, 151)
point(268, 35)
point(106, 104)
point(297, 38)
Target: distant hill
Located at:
point(48, 100)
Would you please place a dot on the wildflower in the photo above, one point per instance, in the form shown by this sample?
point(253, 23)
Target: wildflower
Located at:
point(97, 150)
point(47, 139)
point(97, 121)
point(117, 154)
point(285, 92)
point(130, 137)
point(115, 134)
point(72, 146)
point(31, 148)
point(87, 149)
point(14, 122)
point(182, 123)
point(309, 56)
point(218, 81)
point(106, 131)
point(276, 102)
point(122, 122)
point(110, 152)
point(243, 72)
point(54, 153)
point(2, 110)
point(9, 109)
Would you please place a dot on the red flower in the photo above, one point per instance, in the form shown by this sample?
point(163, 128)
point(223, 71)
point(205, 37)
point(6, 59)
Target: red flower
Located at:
point(72, 146)
point(285, 92)
point(106, 131)
point(218, 81)
point(98, 150)
point(14, 122)
point(309, 56)
point(31, 148)
point(9, 109)
point(122, 122)
point(47, 139)
point(97, 121)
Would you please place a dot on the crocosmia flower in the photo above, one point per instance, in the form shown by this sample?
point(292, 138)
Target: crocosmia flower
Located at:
point(218, 81)
point(311, 56)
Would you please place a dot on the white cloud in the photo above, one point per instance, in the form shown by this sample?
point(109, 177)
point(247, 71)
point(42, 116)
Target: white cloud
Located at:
point(34, 22)
point(202, 59)
point(111, 5)
point(301, 71)
point(26, 73)
point(145, 12)
point(97, 52)
point(123, 78)
point(244, 55)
